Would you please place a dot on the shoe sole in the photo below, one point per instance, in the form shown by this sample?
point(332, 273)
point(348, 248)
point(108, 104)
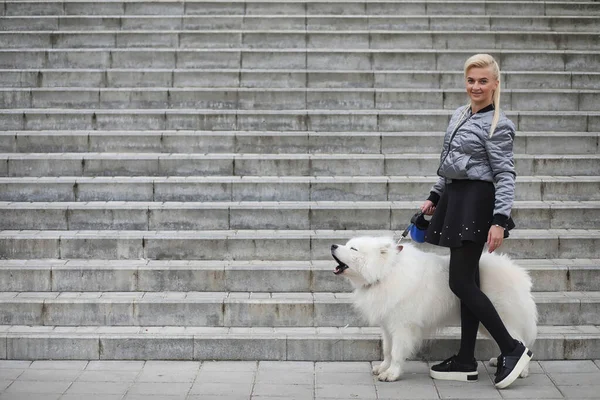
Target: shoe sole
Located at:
point(454, 376)
point(514, 374)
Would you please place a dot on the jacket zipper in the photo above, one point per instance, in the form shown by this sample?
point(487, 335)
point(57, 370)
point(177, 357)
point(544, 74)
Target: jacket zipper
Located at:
point(451, 139)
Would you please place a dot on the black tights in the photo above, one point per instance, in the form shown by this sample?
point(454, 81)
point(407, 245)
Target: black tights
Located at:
point(475, 306)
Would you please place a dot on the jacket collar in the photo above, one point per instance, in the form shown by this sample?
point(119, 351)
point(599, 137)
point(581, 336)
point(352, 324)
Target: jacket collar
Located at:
point(484, 109)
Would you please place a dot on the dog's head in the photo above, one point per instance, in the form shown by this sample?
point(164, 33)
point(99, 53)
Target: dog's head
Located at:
point(363, 260)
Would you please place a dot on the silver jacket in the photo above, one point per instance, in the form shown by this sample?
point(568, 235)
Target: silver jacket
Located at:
point(470, 153)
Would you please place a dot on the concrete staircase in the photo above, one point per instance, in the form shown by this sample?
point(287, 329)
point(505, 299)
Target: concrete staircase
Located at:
point(173, 173)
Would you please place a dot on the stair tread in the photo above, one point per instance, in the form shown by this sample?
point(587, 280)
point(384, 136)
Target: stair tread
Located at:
point(374, 333)
point(22, 112)
point(94, 205)
point(287, 50)
point(268, 233)
point(287, 70)
point(307, 31)
point(270, 178)
point(253, 156)
point(240, 297)
point(214, 89)
point(532, 263)
point(164, 132)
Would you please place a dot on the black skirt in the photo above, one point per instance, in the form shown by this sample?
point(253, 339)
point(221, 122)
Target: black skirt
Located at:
point(464, 212)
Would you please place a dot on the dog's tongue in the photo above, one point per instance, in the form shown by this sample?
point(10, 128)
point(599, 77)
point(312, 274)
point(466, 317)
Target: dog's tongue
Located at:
point(340, 268)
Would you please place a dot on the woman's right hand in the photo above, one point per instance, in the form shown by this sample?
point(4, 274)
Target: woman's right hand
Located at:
point(428, 207)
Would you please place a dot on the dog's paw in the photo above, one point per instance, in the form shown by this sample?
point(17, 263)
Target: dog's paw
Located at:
point(525, 372)
point(378, 369)
point(389, 375)
point(493, 362)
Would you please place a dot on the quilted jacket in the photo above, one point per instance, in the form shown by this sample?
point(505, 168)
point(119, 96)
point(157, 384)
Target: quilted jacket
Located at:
point(470, 153)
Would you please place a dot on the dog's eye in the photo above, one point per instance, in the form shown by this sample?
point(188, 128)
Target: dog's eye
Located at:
point(352, 248)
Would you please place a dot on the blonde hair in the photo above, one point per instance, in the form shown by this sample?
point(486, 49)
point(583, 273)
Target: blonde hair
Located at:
point(484, 61)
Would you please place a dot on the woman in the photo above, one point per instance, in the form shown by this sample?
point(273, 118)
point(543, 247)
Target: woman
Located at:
point(471, 205)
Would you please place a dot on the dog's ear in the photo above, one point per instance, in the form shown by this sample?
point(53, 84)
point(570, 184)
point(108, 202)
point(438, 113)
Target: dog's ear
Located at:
point(385, 248)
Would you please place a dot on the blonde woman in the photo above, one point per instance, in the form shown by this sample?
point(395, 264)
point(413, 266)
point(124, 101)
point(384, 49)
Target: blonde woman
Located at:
point(471, 205)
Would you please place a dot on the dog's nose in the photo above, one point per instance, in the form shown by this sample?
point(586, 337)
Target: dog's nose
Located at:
point(334, 246)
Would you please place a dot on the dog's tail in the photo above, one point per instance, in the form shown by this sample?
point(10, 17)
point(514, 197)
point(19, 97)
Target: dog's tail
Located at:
point(508, 286)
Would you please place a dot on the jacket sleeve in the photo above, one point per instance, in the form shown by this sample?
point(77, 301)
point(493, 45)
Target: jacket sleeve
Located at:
point(437, 190)
point(499, 148)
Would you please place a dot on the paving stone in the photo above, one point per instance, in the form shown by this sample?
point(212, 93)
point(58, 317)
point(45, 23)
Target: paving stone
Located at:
point(49, 375)
point(221, 389)
point(11, 374)
point(574, 379)
point(30, 396)
point(323, 379)
point(24, 388)
point(292, 390)
point(229, 366)
point(224, 377)
point(566, 367)
point(483, 389)
point(392, 391)
point(216, 397)
point(166, 376)
point(346, 391)
point(284, 378)
point(97, 388)
point(580, 392)
point(535, 386)
point(160, 389)
point(14, 364)
point(117, 375)
point(76, 396)
point(135, 396)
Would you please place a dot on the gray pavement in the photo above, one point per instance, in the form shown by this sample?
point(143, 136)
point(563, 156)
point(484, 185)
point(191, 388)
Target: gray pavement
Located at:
point(185, 380)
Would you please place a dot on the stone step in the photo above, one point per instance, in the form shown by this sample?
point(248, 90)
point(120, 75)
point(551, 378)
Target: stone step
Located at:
point(300, 8)
point(152, 216)
point(239, 309)
point(282, 120)
point(401, 22)
point(332, 59)
point(272, 188)
point(53, 275)
point(293, 344)
point(292, 78)
point(265, 142)
point(265, 245)
point(300, 39)
point(188, 164)
point(232, 98)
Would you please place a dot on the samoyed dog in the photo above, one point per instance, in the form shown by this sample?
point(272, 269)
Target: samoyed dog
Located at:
point(405, 292)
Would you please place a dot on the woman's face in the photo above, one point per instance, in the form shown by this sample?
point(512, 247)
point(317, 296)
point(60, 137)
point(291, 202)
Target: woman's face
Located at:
point(481, 85)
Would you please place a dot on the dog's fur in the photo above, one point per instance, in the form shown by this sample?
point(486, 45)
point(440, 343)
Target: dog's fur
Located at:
point(405, 291)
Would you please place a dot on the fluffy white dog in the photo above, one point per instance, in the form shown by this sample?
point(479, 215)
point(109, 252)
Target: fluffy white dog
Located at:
point(405, 291)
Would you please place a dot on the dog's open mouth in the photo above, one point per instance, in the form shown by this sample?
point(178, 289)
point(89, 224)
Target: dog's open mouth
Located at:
point(341, 267)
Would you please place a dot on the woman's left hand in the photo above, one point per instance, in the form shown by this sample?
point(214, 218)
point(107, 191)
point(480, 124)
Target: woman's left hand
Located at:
point(495, 237)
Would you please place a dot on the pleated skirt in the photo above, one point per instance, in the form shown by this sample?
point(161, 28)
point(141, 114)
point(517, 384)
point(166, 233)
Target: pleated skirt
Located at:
point(463, 213)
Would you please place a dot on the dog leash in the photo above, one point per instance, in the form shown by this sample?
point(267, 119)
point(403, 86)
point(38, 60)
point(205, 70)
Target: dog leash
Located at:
point(410, 226)
point(404, 234)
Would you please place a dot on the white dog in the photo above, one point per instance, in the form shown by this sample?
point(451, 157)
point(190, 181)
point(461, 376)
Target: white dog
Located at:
point(405, 291)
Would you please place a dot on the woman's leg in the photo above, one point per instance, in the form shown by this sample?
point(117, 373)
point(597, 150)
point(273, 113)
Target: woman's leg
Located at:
point(469, 325)
point(475, 305)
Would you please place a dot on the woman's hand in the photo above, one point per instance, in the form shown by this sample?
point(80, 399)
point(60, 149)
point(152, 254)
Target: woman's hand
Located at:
point(428, 207)
point(495, 237)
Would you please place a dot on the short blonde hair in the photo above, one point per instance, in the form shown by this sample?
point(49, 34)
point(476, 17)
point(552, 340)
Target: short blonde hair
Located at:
point(484, 61)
